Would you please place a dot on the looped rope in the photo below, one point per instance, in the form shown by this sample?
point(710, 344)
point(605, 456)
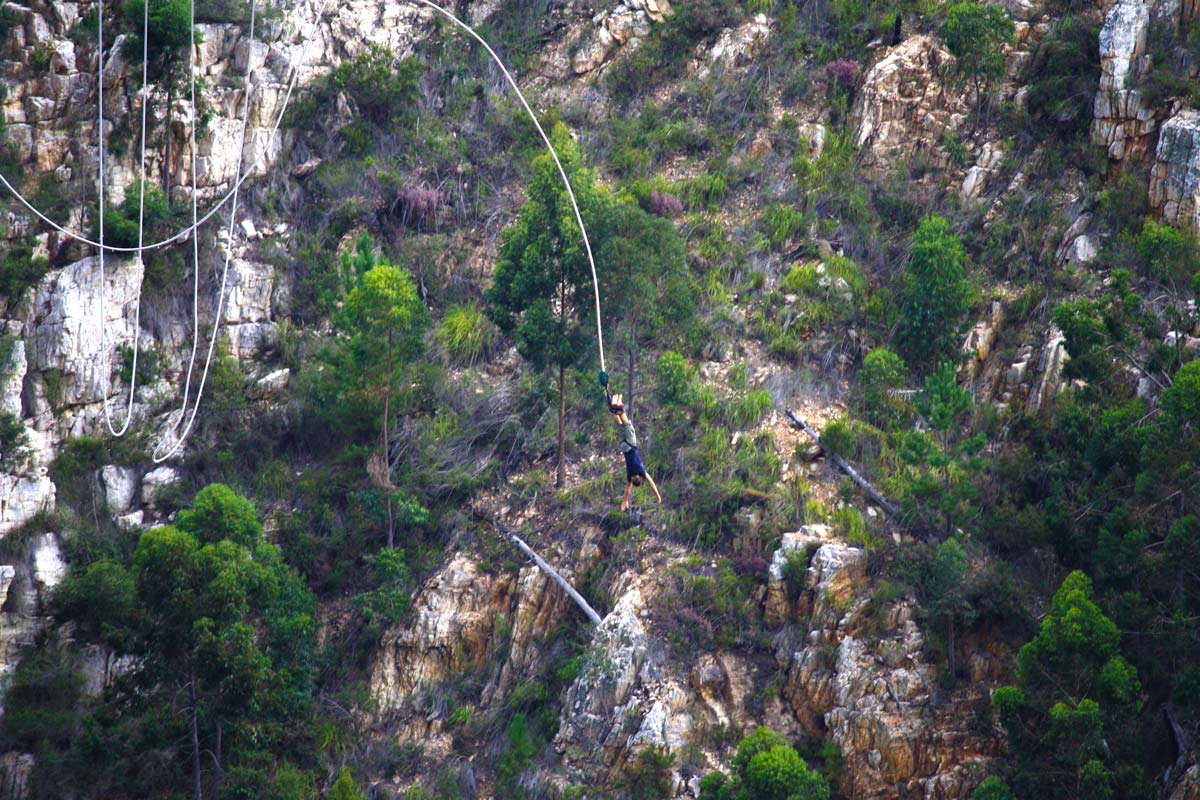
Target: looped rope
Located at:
point(232, 195)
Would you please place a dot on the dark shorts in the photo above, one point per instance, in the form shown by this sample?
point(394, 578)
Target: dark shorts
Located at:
point(634, 465)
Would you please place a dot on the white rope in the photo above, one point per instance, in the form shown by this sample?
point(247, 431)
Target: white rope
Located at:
point(137, 314)
point(158, 457)
point(187, 384)
point(567, 183)
point(240, 178)
point(179, 235)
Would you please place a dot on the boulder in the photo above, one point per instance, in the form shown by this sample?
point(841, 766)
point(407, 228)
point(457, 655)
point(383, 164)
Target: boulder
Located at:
point(155, 482)
point(120, 486)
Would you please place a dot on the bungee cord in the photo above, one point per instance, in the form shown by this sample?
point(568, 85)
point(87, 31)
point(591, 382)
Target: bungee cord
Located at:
point(232, 196)
point(157, 457)
point(137, 314)
point(553, 154)
point(187, 383)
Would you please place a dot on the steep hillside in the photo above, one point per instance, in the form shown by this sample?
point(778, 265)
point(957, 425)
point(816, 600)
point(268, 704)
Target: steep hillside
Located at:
point(957, 240)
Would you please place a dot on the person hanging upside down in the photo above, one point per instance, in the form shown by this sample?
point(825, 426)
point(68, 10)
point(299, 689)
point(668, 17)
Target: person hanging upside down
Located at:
point(635, 469)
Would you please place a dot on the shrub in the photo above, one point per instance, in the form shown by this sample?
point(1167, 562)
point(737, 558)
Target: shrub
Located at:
point(14, 442)
point(384, 91)
point(217, 513)
point(419, 206)
point(649, 776)
point(992, 789)
point(766, 767)
point(1167, 253)
point(664, 204)
point(18, 271)
point(344, 788)
point(935, 293)
point(842, 73)
point(678, 383)
point(465, 335)
point(882, 373)
point(389, 601)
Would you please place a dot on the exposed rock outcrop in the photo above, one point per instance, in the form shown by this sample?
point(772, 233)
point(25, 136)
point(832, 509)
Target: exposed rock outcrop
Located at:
point(616, 27)
point(73, 336)
point(859, 676)
point(1175, 178)
point(903, 107)
point(1120, 123)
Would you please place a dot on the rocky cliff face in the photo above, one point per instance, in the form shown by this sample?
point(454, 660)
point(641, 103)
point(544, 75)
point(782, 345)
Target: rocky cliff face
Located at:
point(843, 663)
point(846, 665)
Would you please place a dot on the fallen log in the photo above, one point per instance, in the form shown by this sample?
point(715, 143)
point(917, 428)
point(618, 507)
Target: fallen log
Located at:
point(543, 566)
point(889, 508)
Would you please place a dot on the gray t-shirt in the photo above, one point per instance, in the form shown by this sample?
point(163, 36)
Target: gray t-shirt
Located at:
point(628, 437)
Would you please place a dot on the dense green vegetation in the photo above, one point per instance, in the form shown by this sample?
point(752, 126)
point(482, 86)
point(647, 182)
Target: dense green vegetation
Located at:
point(716, 250)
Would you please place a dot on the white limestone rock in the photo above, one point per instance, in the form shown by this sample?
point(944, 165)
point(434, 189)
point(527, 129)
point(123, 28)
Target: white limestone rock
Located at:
point(155, 482)
point(1119, 122)
point(1175, 178)
point(12, 379)
point(120, 486)
point(21, 498)
point(73, 332)
point(48, 566)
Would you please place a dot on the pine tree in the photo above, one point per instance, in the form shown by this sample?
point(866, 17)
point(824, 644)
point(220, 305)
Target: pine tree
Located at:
point(542, 291)
point(935, 293)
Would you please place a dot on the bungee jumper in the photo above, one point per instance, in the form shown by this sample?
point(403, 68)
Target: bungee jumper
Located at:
point(635, 468)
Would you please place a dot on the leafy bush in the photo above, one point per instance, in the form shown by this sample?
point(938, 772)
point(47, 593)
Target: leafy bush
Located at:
point(18, 271)
point(465, 335)
point(883, 372)
point(1168, 253)
point(935, 293)
point(14, 442)
point(766, 767)
point(390, 600)
point(384, 91)
point(649, 776)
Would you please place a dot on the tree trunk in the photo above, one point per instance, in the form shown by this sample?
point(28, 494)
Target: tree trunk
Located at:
point(562, 434)
point(167, 160)
point(950, 645)
point(544, 567)
point(387, 462)
point(194, 710)
point(220, 771)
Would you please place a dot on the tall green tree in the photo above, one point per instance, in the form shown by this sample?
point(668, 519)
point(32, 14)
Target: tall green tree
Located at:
point(946, 585)
point(541, 294)
point(976, 34)
point(225, 618)
point(167, 42)
point(1073, 703)
point(381, 327)
point(943, 459)
point(935, 294)
point(645, 286)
